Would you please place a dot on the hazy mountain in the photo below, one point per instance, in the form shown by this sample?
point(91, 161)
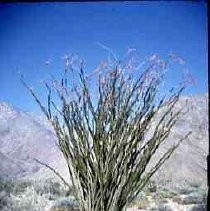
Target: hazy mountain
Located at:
point(189, 161)
point(24, 136)
point(9, 166)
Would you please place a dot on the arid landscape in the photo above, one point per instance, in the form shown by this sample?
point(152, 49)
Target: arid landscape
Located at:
point(104, 106)
point(26, 185)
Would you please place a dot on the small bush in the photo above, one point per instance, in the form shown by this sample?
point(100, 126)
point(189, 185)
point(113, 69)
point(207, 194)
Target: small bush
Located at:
point(20, 186)
point(6, 185)
point(65, 204)
point(48, 187)
point(28, 195)
point(3, 200)
point(29, 200)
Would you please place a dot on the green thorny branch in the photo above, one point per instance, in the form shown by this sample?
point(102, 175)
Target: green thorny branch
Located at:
point(103, 140)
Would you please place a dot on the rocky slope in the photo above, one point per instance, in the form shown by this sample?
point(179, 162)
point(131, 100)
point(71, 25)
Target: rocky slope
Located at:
point(23, 138)
point(188, 163)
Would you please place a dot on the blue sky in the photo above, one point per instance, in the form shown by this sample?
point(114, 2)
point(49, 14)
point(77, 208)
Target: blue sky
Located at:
point(30, 34)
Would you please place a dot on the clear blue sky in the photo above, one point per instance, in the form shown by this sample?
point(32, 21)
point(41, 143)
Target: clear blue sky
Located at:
point(32, 33)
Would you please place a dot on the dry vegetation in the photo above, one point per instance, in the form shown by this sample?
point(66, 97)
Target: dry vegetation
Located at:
point(31, 195)
point(105, 135)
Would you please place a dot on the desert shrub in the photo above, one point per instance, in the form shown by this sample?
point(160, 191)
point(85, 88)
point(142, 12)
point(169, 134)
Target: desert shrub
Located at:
point(19, 186)
point(164, 207)
point(194, 184)
point(3, 200)
point(28, 194)
point(28, 200)
point(199, 207)
point(64, 204)
point(104, 128)
point(49, 187)
point(6, 185)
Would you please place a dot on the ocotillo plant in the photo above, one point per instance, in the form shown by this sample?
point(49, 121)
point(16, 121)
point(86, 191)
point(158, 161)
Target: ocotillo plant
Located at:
point(102, 131)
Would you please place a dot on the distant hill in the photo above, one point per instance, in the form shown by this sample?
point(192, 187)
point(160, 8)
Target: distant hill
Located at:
point(24, 136)
point(189, 161)
point(9, 166)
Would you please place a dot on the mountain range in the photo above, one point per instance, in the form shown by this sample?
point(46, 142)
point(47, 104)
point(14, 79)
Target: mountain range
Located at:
point(25, 136)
